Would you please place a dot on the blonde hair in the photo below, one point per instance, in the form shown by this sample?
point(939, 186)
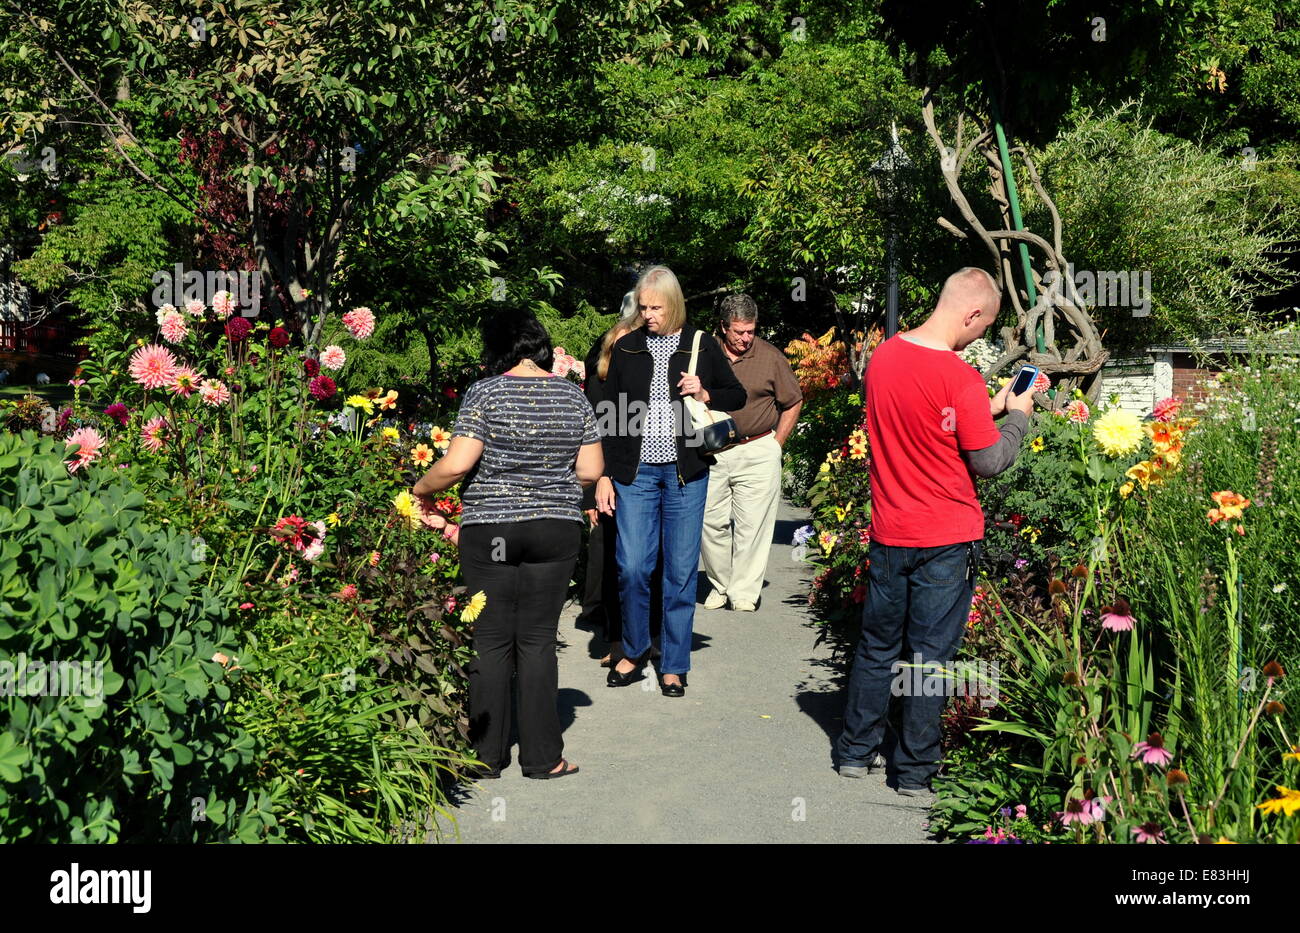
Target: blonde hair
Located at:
point(629, 319)
point(662, 281)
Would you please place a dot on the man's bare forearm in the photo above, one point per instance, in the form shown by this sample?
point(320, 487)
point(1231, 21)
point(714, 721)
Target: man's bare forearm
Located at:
point(789, 418)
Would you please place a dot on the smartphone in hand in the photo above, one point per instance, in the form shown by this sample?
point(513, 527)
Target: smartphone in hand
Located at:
point(1024, 380)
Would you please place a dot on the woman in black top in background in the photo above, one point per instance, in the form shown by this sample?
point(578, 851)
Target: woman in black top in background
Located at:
point(600, 601)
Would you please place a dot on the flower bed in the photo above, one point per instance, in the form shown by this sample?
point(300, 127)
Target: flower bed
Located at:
point(1135, 607)
point(340, 663)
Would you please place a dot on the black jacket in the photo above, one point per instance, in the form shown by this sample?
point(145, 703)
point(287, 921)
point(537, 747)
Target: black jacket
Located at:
point(630, 369)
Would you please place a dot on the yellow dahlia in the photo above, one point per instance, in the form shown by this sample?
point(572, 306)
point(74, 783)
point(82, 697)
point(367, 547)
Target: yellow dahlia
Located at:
point(1118, 432)
point(360, 401)
point(473, 607)
point(407, 507)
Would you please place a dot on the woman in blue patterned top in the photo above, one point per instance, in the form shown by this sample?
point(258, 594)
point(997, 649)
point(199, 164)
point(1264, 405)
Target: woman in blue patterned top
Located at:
point(525, 443)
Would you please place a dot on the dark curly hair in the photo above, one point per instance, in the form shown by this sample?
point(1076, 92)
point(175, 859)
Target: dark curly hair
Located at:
point(511, 335)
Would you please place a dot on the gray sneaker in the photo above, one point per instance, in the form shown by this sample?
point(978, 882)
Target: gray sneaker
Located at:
point(915, 791)
point(875, 763)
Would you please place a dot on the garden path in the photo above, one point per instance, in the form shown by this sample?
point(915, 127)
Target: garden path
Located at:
point(745, 756)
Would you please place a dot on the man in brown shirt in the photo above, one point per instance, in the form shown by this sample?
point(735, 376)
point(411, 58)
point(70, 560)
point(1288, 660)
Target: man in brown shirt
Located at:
point(745, 481)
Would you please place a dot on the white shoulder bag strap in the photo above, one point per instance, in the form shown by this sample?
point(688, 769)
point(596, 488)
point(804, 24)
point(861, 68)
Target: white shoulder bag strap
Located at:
point(701, 415)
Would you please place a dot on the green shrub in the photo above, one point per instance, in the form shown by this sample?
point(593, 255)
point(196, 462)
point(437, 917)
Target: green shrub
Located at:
point(87, 579)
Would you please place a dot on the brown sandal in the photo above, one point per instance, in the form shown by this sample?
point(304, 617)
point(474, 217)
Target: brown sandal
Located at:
point(563, 772)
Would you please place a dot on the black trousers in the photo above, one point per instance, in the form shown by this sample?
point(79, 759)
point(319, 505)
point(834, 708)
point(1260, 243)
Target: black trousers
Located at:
point(524, 569)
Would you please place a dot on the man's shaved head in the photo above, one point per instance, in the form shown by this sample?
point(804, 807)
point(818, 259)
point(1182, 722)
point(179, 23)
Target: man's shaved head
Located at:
point(970, 287)
point(967, 307)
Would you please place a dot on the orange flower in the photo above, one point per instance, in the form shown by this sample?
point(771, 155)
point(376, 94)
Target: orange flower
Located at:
point(1230, 506)
point(441, 437)
point(422, 455)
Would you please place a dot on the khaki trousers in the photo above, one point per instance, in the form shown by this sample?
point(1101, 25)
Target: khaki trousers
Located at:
point(740, 517)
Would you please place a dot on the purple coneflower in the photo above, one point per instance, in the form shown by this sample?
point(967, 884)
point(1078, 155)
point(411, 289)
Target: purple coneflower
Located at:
point(1149, 832)
point(1153, 751)
point(1118, 618)
point(1076, 811)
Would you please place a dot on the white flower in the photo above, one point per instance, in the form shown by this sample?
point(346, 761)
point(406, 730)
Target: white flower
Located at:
point(1279, 588)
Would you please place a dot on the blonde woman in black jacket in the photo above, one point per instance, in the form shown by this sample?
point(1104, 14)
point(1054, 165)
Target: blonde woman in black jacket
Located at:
point(656, 479)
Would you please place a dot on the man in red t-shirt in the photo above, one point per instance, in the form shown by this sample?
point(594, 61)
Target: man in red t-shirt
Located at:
point(930, 426)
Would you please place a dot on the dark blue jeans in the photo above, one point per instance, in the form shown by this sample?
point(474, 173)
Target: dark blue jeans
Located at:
point(918, 602)
point(652, 507)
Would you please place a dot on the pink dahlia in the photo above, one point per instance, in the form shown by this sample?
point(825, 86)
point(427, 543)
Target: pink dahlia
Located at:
point(153, 366)
point(360, 322)
point(1077, 411)
point(322, 387)
point(154, 434)
point(163, 310)
point(174, 328)
point(92, 445)
point(237, 328)
point(118, 412)
point(195, 307)
point(1153, 751)
point(1042, 382)
point(1166, 409)
point(223, 303)
point(333, 357)
point(214, 393)
point(186, 382)
point(348, 592)
point(1118, 618)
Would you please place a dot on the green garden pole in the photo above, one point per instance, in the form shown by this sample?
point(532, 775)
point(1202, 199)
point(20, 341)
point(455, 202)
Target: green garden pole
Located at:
point(1014, 197)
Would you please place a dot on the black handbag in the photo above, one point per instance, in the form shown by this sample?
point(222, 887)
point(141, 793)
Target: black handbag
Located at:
point(713, 431)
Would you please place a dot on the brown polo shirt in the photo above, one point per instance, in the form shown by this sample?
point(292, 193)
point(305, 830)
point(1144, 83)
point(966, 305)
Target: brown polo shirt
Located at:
point(770, 384)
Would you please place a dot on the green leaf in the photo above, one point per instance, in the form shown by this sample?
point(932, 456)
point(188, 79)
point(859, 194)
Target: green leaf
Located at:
point(12, 757)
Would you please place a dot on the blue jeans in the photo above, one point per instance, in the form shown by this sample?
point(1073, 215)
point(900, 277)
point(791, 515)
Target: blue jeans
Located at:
point(654, 506)
point(918, 602)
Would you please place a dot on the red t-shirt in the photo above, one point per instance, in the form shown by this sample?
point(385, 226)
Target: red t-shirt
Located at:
point(924, 406)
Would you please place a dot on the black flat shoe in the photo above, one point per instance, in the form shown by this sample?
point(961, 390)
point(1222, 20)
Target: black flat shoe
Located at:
point(672, 690)
point(615, 679)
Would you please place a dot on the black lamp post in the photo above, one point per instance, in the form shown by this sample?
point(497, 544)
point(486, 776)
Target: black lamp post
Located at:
point(890, 175)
